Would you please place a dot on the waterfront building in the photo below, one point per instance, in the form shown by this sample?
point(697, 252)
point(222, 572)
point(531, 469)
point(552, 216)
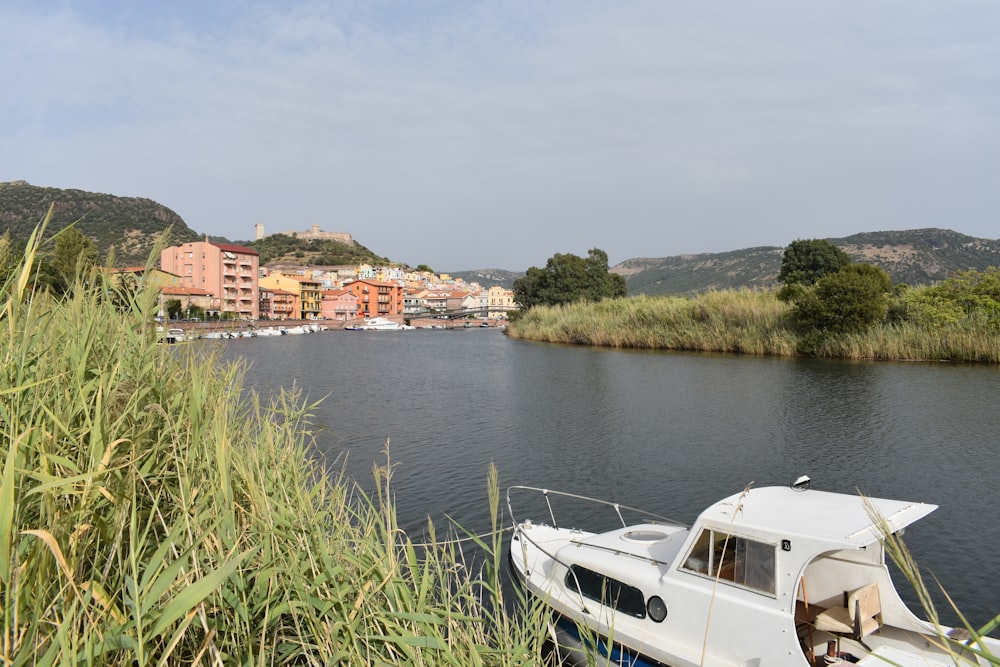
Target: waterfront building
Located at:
point(306, 289)
point(227, 272)
point(413, 302)
point(189, 298)
point(377, 298)
point(501, 300)
point(340, 305)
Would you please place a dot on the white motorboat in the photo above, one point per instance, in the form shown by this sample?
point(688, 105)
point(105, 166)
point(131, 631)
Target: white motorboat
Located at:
point(171, 335)
point(770, 576)
point(379, 324)
point(267, 332)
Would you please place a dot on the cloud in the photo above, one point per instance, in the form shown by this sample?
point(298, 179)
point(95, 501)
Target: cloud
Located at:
point(495, 134)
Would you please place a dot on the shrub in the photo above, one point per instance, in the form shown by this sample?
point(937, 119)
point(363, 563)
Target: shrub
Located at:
point(851, 299)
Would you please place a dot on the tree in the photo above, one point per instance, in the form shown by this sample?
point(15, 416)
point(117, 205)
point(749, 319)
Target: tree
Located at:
point(174, 309)
point(74, 255)
point(851, 299)
point(806, 261)
point(567, 278)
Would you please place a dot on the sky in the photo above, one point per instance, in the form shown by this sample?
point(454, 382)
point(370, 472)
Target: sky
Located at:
point(468, 135)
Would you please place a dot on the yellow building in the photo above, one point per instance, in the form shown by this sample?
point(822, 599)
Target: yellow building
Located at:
point(309, 292)
point(500, 301)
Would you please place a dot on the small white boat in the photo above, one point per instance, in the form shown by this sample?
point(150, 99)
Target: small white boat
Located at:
point(379, 324)
point(171, 335)
point(771, 576)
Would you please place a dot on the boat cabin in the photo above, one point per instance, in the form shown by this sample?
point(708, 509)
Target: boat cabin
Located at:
point(770, 576)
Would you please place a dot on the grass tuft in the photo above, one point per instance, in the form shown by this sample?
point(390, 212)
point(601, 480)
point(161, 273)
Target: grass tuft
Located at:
point(153, 512)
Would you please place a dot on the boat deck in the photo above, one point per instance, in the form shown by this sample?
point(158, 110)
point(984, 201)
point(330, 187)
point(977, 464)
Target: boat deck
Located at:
point(656, 543)
point(888, 646)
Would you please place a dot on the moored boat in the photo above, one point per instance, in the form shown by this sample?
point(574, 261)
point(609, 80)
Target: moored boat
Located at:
point(770, 576)
point(173, 335)
point(379, 324)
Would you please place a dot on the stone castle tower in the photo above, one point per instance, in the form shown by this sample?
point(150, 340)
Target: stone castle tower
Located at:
point(311, 234)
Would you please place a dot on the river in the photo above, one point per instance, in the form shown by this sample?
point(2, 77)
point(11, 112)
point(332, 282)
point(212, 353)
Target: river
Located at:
point(663, 431)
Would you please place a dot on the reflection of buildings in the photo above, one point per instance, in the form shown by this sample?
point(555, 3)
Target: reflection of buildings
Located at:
point(226, 272)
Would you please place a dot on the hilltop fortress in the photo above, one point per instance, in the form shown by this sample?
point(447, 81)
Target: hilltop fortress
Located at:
point(312, 234)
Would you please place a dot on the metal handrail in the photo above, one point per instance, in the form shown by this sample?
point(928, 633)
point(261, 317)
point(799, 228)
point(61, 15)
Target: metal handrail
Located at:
point(618, 507)
point(657, 519)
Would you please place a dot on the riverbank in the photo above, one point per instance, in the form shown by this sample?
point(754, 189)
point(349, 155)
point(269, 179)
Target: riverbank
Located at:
point(751, 322)
point(153, 512)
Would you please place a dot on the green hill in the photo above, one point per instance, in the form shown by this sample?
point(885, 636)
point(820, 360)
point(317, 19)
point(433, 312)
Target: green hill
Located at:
point(130, 225)
point(914, 257)
point(282, 249)
point(488, 277)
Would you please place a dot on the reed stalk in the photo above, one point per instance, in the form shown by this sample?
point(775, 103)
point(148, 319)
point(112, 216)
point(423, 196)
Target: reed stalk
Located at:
point(964, 648)
point(153, 512)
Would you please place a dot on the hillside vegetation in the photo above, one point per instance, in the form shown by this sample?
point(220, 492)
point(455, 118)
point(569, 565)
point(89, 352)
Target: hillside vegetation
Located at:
point(129, 225)
point(912, 257)
point(282, 249)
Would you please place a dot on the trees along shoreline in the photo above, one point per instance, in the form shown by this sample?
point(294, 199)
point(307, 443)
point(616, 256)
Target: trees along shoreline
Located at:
point(828, 307)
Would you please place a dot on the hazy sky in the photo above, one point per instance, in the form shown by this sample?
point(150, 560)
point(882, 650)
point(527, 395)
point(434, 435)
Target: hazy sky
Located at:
point(495, 134)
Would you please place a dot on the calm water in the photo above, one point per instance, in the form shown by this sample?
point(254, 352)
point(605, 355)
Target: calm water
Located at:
point(666, 432)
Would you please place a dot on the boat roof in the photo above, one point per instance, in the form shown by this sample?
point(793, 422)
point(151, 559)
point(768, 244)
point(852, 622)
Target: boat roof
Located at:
point(841, 519)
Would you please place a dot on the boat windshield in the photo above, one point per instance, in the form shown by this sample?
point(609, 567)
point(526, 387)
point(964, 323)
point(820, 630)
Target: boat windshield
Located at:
point(735, 559)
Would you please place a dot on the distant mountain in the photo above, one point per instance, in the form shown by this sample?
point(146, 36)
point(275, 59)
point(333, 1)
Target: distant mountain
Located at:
point(131, 225)
point(914, 257)
point(488, 277)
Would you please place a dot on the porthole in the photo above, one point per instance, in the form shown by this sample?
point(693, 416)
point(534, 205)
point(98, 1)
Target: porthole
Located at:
point(656, 608)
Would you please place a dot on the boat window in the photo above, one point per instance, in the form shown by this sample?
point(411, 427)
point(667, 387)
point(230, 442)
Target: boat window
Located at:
point(606, 590)
point(732, 558)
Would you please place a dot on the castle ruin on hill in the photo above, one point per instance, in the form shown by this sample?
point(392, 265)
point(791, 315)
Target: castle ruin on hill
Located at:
point(312, 234)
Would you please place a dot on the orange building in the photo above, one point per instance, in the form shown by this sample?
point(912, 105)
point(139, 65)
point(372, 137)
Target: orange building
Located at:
point(227, 272)
point(278, 304)
point(376, 298)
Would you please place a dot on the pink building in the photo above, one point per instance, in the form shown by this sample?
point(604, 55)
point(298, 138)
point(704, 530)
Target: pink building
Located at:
point(339, 304)
point(227, 272)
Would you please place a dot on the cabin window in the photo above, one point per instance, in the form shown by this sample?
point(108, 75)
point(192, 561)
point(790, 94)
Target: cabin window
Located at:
point(609, 592)
point(732, 558)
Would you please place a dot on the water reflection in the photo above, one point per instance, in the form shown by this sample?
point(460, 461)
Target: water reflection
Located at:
point(666, 432)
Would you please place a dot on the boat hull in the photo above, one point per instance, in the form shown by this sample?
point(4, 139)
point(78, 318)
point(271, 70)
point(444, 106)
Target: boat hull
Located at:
point(729, 590)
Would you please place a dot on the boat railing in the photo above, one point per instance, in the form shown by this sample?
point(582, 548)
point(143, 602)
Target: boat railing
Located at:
point(616, 509)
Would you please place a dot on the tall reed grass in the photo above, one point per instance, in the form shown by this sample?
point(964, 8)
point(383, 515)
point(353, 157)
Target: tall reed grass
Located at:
point(152, 512)
point(968, 646)
point(746, 322)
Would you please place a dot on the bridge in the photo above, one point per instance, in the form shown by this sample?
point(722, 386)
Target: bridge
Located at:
point(456, 313)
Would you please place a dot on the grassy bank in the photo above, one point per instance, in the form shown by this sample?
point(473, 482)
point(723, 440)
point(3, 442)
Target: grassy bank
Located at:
point(150, 515)
point(746, 322)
